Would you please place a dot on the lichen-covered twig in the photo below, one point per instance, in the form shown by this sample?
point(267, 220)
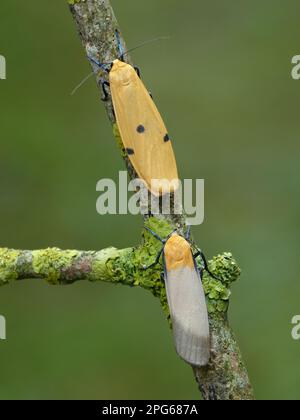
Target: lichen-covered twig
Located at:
point(226, 377)
point(61, 267)
point(126, 266)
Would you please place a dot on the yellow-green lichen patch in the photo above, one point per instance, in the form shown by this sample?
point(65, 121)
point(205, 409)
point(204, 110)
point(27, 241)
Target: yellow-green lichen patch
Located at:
point(117, 135)
point(225, 268)
point(8, 265)
point(151, 279)
point(122, 269)
point(49, 263)
point(102, 265)
point(159, 226)
point(128, 268)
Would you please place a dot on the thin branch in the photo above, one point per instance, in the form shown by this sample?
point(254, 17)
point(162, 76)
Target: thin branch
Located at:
point(97, 25)
point(226, 376)
point(59, 267)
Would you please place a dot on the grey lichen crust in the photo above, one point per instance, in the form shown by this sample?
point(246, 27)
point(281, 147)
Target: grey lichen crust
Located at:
point(226, 377)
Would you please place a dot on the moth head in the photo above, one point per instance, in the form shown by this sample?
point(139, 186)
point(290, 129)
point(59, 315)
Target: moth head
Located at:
point(122, 73)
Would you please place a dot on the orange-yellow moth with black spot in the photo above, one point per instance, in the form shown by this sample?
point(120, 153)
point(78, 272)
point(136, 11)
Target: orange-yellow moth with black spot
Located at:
point(142, 130)
point(186, 300)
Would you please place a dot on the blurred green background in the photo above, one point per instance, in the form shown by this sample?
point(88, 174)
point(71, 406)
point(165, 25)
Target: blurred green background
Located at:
point(223, 85)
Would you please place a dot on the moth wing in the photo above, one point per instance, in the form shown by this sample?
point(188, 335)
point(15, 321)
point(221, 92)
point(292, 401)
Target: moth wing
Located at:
point(143, 132)
point(189, 316)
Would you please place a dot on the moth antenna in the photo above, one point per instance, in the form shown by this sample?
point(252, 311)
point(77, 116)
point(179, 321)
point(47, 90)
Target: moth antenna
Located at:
point(150, 41)
point(120, 46)
point(100, 65)
point(122, 53)
point(83, 81)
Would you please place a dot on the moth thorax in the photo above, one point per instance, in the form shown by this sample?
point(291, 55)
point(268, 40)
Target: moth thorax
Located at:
point(122, 73)
point(178, 253)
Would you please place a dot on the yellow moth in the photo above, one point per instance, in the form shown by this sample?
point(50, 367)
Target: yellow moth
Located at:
point(142, 130)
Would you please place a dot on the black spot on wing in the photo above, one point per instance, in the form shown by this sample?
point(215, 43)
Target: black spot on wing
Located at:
point(130, 151)
point(140, 129)
point(167, 138)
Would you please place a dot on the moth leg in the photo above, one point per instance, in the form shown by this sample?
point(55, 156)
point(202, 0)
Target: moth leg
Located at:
point(156, 260)
point(155, 235)
point(199, 253)
point(138, 71)
point(98, 64)
point(105, 85)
